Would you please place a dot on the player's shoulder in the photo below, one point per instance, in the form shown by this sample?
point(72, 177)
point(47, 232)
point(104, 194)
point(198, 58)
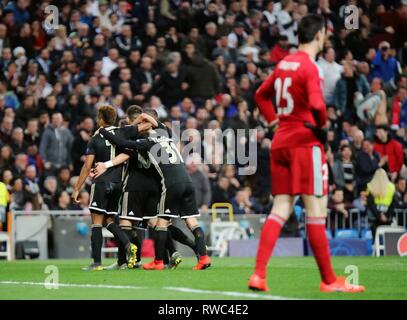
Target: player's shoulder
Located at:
point(294, 62)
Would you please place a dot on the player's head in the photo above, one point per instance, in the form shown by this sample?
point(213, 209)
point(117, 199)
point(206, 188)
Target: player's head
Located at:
point(133, 112)
point(106, 116)
point(151, 112)
point(311, 29)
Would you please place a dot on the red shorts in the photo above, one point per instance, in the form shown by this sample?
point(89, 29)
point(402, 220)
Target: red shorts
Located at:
point(301, 170)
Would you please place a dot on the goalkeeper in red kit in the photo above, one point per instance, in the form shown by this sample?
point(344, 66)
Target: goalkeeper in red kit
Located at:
point(298, 164)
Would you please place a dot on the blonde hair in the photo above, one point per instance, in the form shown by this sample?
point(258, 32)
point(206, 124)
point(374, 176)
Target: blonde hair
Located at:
point(378, 185)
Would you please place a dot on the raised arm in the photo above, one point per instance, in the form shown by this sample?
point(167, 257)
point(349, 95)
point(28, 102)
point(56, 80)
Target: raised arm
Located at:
point(140, 144)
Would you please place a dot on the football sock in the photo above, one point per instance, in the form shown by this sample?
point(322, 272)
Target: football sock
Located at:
point(119, 235)
point(151, 232)
point(199, 240)
point(96, 242)
point(122, 254)
point(159, 243)
point(178, 235)
point(320, 247)
point(268, 238)
point(135, 239)
point(170, 245)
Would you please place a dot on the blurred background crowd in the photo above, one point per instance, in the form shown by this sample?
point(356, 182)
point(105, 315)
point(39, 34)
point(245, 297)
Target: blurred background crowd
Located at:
point(198, 62)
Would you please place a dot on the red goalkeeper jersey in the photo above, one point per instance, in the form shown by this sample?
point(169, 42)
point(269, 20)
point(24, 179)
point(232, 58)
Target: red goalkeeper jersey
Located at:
point(296, 86)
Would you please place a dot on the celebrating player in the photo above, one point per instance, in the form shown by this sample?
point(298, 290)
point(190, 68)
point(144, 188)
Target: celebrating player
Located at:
point(141, 195)
point(105, 191)
point(177, 192)
point(298, 164)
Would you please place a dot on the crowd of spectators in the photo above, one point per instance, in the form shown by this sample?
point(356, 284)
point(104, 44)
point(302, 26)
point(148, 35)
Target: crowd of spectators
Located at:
point(197, 62)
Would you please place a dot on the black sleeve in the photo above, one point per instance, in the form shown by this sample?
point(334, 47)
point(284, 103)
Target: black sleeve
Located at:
point(140, 144)
point(129, 132)
point(91, 147)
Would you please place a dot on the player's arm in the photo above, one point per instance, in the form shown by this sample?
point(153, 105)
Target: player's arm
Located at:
point(86, 168)
point(315, 97)
point(101, 167)
point(144, 117)
point(263, 97)
point(139, 144)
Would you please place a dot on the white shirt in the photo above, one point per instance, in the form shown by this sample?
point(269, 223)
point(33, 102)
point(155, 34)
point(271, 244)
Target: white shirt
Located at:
point(283, 18)
point(331, 72)
point(108, 66)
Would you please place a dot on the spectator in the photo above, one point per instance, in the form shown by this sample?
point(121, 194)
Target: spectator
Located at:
point(17, 199)
point(203, 79)
point(400, 193)
point(367, 162)
point(32, 188)
point(200, 182)
point(228, 53)
point(339, 208)
point(80, 144)
point(55, 146)
point(31, 134)
point(399, 109)
point(221, 192)
point(6, 157)
point(63, 202)
point(345, 90)
point(287, 26)
point(6, 130)
point(344, 173)
point(237, 36)
point(373, 106)
point(380, 200)
point(172, 84)
point(390, 150)
point(332, 73)
point(385, 66)
point(242, 205)
point(109, 62)
point(280, 50)
point(17, 141)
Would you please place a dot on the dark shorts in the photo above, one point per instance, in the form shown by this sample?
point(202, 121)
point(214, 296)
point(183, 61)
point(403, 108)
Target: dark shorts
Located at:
point(178, 201)
point(105, 197)
point(139, 205)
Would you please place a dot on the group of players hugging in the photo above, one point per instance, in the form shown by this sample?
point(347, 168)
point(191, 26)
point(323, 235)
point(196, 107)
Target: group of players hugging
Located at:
point(138, 175)
point(153, 185)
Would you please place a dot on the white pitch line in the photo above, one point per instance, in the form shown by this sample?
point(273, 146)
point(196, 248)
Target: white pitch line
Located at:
point(230, 293)
point(73, 285)
point(179, 289)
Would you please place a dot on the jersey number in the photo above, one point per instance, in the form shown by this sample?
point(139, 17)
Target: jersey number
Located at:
point(281, 88)
point(173, 154)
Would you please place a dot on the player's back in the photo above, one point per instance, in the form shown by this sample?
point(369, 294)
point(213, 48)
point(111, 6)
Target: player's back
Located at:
point(167, 159)
point(104, 151)
point(295, 80)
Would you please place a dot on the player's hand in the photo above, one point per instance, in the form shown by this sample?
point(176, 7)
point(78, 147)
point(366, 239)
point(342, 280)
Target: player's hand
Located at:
point(100, 168)
point(91, 174)
point(320, 133)
point(74, 196)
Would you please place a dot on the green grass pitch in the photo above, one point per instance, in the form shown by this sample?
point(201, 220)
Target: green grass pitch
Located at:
point(289, 277)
